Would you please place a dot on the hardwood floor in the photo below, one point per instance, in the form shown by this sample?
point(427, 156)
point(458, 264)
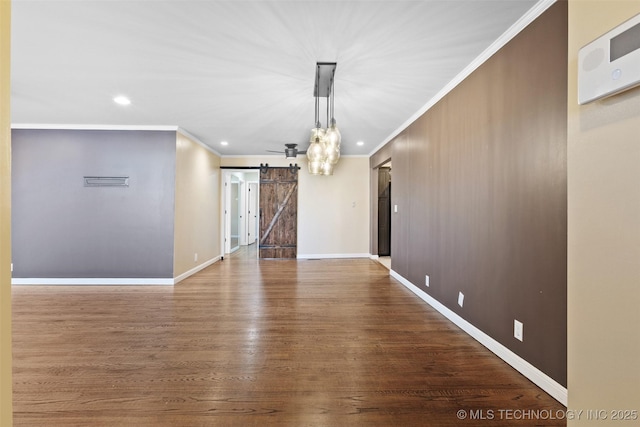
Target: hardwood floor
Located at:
point(248, 342)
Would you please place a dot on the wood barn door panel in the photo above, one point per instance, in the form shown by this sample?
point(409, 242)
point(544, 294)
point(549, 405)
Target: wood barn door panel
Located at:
point(278, 213)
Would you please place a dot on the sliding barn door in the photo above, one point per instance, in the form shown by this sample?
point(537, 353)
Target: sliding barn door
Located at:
point(278, 213)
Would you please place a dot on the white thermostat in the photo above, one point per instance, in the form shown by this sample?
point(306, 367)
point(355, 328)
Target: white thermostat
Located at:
point(611, 63)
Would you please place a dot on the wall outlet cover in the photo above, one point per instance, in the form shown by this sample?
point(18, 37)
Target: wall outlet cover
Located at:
point(460, 299)
point(426, 280)
point(518, 330)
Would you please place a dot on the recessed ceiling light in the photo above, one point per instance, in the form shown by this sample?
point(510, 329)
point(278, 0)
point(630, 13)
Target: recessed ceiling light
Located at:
point(224, 143)
point(360, 143)
point(122, 100)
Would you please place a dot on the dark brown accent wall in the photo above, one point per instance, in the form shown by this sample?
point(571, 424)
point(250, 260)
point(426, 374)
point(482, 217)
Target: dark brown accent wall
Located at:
point(480, 181)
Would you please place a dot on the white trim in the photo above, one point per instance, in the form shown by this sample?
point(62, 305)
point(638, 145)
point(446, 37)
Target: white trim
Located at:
point(526, 19)
point(194, 270)
point(279, 156)
point(110, 282)
point(331, 256)
point(197, 141)
point(45, 126)
point(178, 129)
point(88, 282)
point(226, 211)
point(538, 377)
point(254, 156)
point(374, 257)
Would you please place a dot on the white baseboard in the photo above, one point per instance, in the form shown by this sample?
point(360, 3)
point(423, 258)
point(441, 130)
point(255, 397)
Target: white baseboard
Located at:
point(329, 256)
point(109, 281)
point(374, 256)
point(194, 270)
point(542, 380)
point(88, 281)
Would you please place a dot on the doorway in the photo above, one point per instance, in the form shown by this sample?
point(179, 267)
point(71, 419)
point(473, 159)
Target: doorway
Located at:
point(384, 214)
point(252, 212)
point(239, 209)
point(234, 216)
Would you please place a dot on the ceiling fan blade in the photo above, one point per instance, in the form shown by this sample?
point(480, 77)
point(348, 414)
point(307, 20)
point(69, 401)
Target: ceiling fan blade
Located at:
point(273, 151)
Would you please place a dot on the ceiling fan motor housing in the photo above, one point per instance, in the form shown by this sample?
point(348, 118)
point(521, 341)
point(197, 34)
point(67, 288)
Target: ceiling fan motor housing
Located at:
point(290, 152)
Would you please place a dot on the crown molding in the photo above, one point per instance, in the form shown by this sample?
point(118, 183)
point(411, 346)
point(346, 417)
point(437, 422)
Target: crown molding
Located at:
point(62, 126)
point(526, 19)
point(197, 141)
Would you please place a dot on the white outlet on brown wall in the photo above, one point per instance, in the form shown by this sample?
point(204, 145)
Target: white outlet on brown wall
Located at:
point(518, 330)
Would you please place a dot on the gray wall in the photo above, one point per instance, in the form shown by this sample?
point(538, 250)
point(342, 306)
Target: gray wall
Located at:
point(480, 181)
point(61, 229)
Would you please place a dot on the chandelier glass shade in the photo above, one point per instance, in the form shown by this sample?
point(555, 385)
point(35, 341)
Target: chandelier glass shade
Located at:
point(316, 151)
point(332, 141)
point(324, 148)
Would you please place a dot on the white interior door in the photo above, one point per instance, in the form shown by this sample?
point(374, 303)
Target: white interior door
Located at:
point(252, 212)
point(242, 212)
point(227, 213)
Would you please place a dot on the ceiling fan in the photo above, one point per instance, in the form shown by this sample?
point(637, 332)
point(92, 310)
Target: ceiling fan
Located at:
point(290, 151)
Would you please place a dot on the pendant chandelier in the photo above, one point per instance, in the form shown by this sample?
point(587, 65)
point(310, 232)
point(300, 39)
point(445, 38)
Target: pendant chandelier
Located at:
point(324, 149)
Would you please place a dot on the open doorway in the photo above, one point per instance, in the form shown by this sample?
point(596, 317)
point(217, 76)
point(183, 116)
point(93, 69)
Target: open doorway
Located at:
point(239, 209)
point(235, 217)
point(384, 214)
point(252, 211)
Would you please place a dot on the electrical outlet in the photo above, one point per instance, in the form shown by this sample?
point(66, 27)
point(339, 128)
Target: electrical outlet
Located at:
point(518, 330)
point(12, 267)
point(460, 299)
point(395, 208)
point(195, 257)
point(426, 281)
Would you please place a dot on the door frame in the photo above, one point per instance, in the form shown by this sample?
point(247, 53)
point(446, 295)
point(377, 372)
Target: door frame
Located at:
point(255, 230)
point(225, 211)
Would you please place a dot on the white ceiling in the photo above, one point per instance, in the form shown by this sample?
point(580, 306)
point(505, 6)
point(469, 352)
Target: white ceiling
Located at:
point(243, 71)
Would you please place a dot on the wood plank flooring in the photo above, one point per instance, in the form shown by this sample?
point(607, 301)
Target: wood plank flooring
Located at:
point(255, 343)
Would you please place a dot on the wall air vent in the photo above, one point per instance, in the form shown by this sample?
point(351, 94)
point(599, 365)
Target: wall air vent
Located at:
point(106, 181)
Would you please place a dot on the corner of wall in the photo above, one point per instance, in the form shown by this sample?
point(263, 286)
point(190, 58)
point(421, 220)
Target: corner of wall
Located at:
point(603, 234)
point(197, 207)
point(6, 397)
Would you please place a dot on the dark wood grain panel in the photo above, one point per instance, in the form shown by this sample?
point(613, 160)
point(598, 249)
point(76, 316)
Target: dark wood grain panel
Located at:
point(278, 213)
point(480, 184)
point(254, 342)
